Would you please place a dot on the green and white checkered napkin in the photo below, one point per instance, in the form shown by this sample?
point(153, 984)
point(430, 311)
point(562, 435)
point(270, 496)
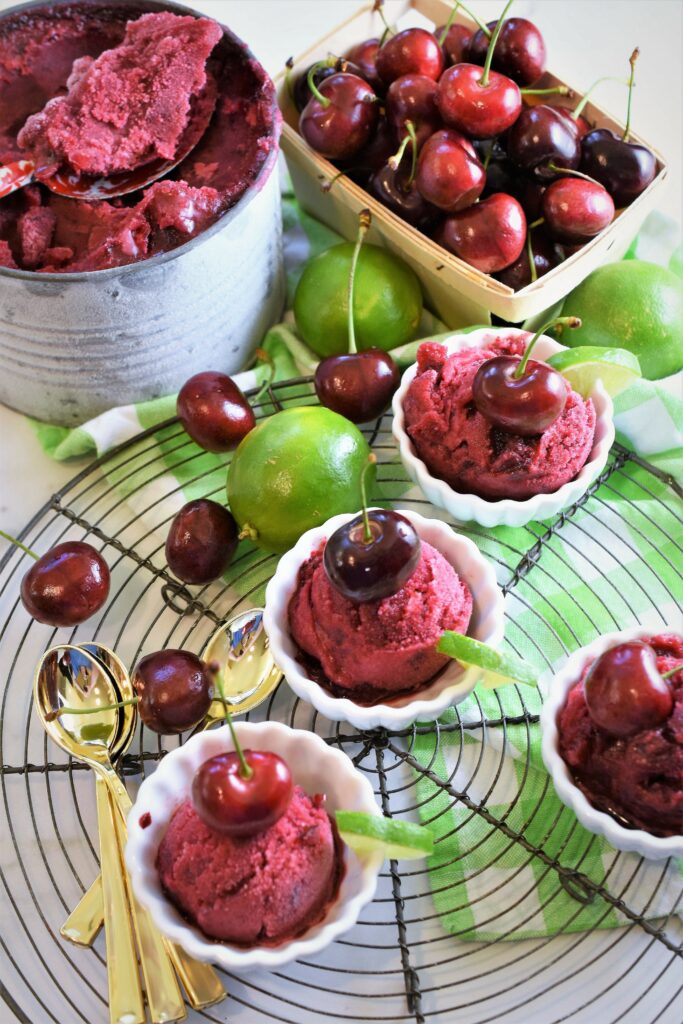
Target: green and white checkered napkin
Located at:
point(589, 579)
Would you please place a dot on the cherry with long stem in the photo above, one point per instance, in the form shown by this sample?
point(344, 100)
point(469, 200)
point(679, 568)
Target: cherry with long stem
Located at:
point(631, 83)
point(18, 544)
point(484, 80)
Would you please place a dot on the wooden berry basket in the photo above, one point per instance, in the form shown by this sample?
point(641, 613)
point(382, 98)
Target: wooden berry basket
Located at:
point(456, 292)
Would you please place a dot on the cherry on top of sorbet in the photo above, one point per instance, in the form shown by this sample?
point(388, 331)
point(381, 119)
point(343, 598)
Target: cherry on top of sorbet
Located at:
point(625, 692)
point(240, 805)
point(373, 563)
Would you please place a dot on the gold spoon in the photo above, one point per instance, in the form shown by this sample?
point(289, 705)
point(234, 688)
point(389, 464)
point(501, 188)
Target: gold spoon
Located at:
point(241, 649)
point(71, 677)
point(202, 984)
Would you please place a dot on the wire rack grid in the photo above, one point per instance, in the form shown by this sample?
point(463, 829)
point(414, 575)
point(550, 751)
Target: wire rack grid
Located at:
point(405, 961)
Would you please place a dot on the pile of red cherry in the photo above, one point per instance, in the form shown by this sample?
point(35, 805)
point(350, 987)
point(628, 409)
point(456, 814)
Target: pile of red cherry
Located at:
point(477, 169)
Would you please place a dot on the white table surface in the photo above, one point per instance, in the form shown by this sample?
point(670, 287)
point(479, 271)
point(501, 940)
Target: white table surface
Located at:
point(585, 39)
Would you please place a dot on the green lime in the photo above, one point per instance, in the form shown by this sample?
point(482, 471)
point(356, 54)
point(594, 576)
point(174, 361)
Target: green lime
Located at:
point(371, 833)
point(387, 302)
point(294, 471)
point(615, 367)
point(633, 305)
point(499, 669)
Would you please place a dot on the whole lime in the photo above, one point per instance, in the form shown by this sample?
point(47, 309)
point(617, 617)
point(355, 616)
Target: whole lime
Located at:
point(633, 305)
point(387, 302)
point(294, 471)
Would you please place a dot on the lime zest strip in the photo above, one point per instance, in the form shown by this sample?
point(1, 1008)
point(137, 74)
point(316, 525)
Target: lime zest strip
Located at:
point(499, 668)
point(373, 833)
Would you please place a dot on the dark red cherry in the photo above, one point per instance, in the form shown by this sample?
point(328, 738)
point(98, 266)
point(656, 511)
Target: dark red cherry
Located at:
point(201, 542)
point(624, 168)
point(175, 690)
point(582, 125)
point(542, 136)
point(521, 395)
point(67, 585)
point(359, 385)
point(411, 52)
point(372, 156)
point(575, 210)
point(413, 98)
point(393, 187)
point(301, 91)
point(342, 122)
point(478, 109)
point(456, 43)
point(520, 50)
point(449, 174)
point(364, 56)
point(214, 412)
point(518, 274)
point(489, 235)
point(238, 805)
point(530, 194)
point(625, 692)
point(370, 566)
point(502, 176)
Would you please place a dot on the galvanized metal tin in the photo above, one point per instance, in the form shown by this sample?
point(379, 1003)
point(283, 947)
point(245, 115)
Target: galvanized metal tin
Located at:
point(74, 345)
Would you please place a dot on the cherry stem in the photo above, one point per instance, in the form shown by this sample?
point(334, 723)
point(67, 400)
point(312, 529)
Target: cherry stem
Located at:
point(569, 321)
point(484, 80)
point(632, 61)
point(365, 217)
point(367, 532)
point(487, 158)
point(536, 223)
point(18, 544)
point(451, 17)
point(264, 357)
point(571, 174)
point(329, 62)
point(530, 256)
point(395, 160)
point(584, 100)
point(672, 671)
point(559, 90)
point(379, 8)
point(246, 771)
point(327, 185)
point(289, 64)
point(470, 14)
point(66, 710)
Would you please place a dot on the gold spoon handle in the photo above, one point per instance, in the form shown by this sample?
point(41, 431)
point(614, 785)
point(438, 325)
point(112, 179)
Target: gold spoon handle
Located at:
point(86, 919)
point(164, 997)
point(125, 994)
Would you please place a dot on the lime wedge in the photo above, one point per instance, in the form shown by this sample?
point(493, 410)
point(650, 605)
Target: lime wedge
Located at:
point(499, 669)
point(583, 366)
point(397, 840)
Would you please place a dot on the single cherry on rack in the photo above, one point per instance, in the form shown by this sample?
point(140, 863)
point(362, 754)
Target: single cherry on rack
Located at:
point(481, 103)
point(625, 692)
point(66, 585)
point(520, 395)
point(358, 385)
point(340, 116)
point(241, 793)
point(374, 554)
point(201, 541)
point(624, 168)
point(214, 412)
point(175, 690)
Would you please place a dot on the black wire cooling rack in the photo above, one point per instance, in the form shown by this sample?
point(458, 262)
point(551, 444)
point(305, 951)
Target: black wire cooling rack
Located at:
point(399, 964)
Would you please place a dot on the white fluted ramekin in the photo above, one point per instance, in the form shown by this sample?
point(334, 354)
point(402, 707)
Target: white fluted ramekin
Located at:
point(317, 768)
point(633, 840)
point(506, 511)
point(450, 686)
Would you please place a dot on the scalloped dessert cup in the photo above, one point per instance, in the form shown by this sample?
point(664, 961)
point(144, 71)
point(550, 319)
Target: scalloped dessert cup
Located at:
point(507, 511)
point(632, 840)
point(452, 685)
point(317, 768)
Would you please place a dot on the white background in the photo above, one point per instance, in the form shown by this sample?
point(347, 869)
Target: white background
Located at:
point(585, 40)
